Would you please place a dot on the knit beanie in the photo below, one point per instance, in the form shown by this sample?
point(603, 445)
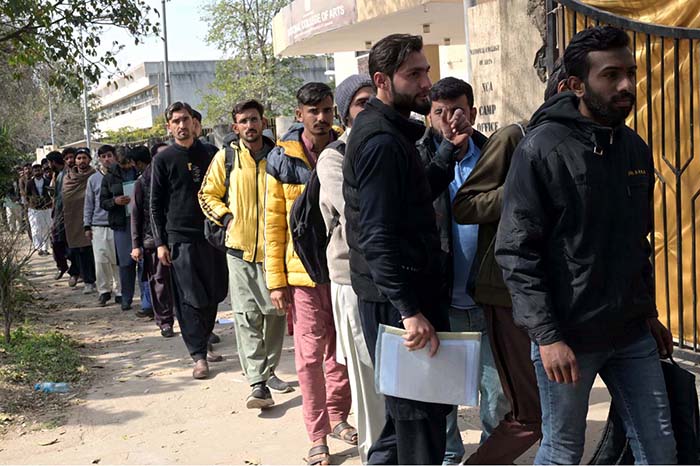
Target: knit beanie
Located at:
point(346, 90)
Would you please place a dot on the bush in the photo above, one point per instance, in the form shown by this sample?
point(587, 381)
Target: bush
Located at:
point(36, 357)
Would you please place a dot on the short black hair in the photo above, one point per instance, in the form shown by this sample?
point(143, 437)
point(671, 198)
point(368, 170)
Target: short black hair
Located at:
point(389, 53)
point(140, 154)
point(251, 104)
point(196, 115)
point(104, 149)
point(558, 75)
point(155, 147)
point(44, 161)
point(55, 157)
point(313, 93)
point(177, 107)
point(594, 39)
point(452, 88)
point(68, 150)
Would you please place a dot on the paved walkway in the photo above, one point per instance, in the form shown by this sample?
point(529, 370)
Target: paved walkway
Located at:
point(144, 407)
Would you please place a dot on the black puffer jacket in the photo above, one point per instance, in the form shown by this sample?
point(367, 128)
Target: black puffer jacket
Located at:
point(572, 240)
point(113, 187)
point(394, 244)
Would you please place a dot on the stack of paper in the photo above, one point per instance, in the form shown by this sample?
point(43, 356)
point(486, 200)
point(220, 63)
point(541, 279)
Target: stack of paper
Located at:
point(449, 377)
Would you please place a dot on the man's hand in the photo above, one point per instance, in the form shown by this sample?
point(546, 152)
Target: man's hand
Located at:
point(664, 339)
point(88, 235)
point(420, 332)
point(559, 363)
point(136, 254)
point(122, 200)
point(164, 256)
point(280, 298)
point(460, 124)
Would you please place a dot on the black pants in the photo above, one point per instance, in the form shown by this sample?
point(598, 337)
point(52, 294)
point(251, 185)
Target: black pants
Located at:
point(85, 257)
point(160, 286)
point(414, 432)
point(200, 281)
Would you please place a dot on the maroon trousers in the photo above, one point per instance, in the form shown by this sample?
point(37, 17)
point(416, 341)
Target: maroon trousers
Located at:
point(158, 277)
point(520, 428)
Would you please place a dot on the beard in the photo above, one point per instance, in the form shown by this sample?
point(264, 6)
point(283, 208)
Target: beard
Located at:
point(406, 103)
point(607, 112)
point(251, 138)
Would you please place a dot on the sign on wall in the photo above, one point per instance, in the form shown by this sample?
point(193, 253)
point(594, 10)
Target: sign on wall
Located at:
point(305, 18)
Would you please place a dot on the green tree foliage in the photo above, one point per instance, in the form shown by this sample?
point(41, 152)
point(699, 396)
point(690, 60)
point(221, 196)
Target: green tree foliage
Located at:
point(242, 29)
point(137, 135)
point(10, 157)
point(64, 35)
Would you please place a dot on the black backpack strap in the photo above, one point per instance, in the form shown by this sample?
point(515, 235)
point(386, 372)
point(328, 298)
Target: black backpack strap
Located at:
point(228, 166)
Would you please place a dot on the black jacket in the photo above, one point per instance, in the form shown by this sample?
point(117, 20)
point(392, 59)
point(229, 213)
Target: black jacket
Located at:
point(113, 187)
point(394, 244)
point(572, 240)
point(39, 201)
point(176, 177)
point(443, 204)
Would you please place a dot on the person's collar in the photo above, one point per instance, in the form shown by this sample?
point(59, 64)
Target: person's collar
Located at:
point(414, 130)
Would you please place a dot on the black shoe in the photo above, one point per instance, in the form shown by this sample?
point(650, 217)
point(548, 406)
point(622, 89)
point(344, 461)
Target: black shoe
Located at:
point(259, 398)
point(214, 339)
point(59, 274)
point(117, 300)
point(277, 385)
point(126, 307)
point(167, 331)
point(144, 313)
point(104, 298)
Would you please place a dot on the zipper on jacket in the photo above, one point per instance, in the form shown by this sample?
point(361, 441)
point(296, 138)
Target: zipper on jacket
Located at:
point(257, 214)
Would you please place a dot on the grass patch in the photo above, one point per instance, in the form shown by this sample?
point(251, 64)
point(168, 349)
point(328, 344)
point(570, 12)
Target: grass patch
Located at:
point(32, 357)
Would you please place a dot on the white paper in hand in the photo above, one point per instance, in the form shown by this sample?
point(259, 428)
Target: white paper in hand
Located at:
point(450, 377)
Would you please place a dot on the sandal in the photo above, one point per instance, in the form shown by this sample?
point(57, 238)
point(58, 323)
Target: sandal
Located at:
point(319, 455)
point(350, 436)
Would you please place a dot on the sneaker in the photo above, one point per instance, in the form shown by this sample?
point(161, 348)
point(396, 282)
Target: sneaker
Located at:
point(214, 339)
point(117, 299)
point(104, 298)
point(73, 280)
point(89, 288)
point(277, 385)
point(259, 398)
point(144, 313)
point(167, 331)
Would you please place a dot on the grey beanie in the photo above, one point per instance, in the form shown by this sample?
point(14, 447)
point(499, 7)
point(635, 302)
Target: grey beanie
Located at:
point(346, 90)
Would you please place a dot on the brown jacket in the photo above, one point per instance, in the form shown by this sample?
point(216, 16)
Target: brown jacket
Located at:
point(73, 191)
point(479, 201)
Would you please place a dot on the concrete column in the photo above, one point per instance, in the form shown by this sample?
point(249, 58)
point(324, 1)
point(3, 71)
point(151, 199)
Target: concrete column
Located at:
point(432, 53)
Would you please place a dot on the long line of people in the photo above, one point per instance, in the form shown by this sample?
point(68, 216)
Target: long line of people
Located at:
point(536, 237)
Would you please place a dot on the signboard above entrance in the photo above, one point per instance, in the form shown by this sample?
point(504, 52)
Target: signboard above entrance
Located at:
point(306, 18)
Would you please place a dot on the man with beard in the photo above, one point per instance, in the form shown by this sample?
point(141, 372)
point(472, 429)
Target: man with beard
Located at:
point(73, 188)
point(323, 381)
point(61, 164)
point(239, 207)
point(395, 256)
point(198, 270)
point(573, 246)
point(197, 121)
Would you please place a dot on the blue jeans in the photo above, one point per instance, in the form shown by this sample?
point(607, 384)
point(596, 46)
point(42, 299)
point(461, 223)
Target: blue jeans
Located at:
point(493, 404)
point(634, 378)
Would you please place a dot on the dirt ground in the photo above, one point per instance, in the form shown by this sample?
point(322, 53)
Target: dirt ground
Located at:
point(140, 404)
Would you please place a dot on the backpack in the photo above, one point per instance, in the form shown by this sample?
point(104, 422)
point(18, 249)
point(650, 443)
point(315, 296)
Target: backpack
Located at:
point(309, 235)
point(216, 234)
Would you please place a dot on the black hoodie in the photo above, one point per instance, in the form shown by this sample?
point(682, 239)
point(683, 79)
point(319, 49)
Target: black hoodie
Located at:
point(572, 241)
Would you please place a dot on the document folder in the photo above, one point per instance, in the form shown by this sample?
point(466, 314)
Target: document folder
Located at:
point(450, 377)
